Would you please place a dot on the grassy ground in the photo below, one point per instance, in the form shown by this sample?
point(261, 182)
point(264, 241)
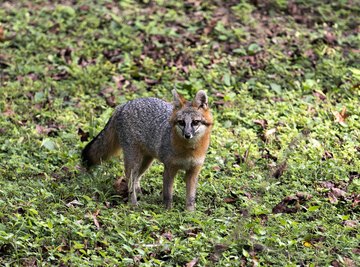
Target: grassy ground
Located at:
point(280, 185)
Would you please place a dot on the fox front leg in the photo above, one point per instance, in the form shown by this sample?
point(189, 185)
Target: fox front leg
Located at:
point(191, 178)
point(168, 184)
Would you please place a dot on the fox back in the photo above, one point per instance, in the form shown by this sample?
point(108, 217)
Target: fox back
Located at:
point(177, 134)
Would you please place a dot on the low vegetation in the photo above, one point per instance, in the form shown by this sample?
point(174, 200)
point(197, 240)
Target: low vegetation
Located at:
point(280, 185)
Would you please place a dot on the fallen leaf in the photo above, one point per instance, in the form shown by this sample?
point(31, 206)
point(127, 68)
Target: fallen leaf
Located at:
point(121, 187)
point(114, 56)
point(335, 193)
point(61, 75)
point(340, 116)
point(329, 37)
point(84, 8)
point(74, 203)
point(192, 232)
point(119, 81)
point(351, 223)
point(280, 169)
point(311, 55)
point(217, 168)
point(84, 136)
point(94, 216)
point(168, 235)
point(262, 122)
point(45, 130)
point(230, 200)
point(219, 248)
point(192, 263)
point(356, 200)
point(8, 111)
point(107, 91)
point(338, 192)
point(83, 61)
point(327, 184)
point(150, 81)
point(332, 198)
point(2, 35)
point(320, 95)
point(65, 53)
point(349, 262)
point(269, 132)
point(327, 155)
point(110, 101)
point(292, 204)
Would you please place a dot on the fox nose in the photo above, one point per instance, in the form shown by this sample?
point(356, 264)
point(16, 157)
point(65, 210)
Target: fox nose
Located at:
point(187, 135)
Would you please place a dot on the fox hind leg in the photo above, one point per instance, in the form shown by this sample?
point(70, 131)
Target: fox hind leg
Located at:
point(145, 164)
point(135, 165)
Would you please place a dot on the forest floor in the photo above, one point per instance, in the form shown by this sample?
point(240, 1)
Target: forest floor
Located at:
point(280, 185)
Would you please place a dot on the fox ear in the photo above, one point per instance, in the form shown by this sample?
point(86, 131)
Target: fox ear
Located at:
point(201, 100)
point(178, 100)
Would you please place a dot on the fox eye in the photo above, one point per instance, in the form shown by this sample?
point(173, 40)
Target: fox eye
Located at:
point(196, 123)
point(181, 122)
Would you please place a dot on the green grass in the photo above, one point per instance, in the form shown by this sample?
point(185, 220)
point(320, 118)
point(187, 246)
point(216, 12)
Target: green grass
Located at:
point(280, 185)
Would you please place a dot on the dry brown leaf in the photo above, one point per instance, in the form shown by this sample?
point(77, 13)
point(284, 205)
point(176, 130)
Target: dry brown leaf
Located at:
point(2, 35)
point(230, 200)
point(292, 204)
point(356, 201)
point(351, 223)
point(330, 37)
point(338, 192)
point(262, 122)
point(121, 187)
point(168, 235)
point(74, 203)
point(332, 198)
point(94, 216)
point(45, 130)
point(335, 193)
point(84, 136)
point(270, 132)
point(326, 184)
point(8, 111)
point(320, 95)
point(340, 116)
point(280, 169)
point(327, 155)
point(349, 262)
point(192, 263)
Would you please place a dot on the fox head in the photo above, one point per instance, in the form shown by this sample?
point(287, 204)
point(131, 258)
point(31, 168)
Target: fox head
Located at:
point(191, 119)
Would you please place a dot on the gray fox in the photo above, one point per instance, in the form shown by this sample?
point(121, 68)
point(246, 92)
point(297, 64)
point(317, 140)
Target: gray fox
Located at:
point(145, 129)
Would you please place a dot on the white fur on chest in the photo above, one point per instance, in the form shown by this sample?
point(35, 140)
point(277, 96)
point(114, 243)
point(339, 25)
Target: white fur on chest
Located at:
point(186, 163)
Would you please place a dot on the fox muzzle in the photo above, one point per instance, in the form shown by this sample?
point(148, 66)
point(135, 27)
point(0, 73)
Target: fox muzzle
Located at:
point(188, 132)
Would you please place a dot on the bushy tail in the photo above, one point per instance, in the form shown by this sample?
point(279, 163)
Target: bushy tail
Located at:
point(102, 147)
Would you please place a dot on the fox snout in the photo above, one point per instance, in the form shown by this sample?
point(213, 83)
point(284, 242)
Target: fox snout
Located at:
point(188, 131)
point(188, 135)
point(190, 128)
